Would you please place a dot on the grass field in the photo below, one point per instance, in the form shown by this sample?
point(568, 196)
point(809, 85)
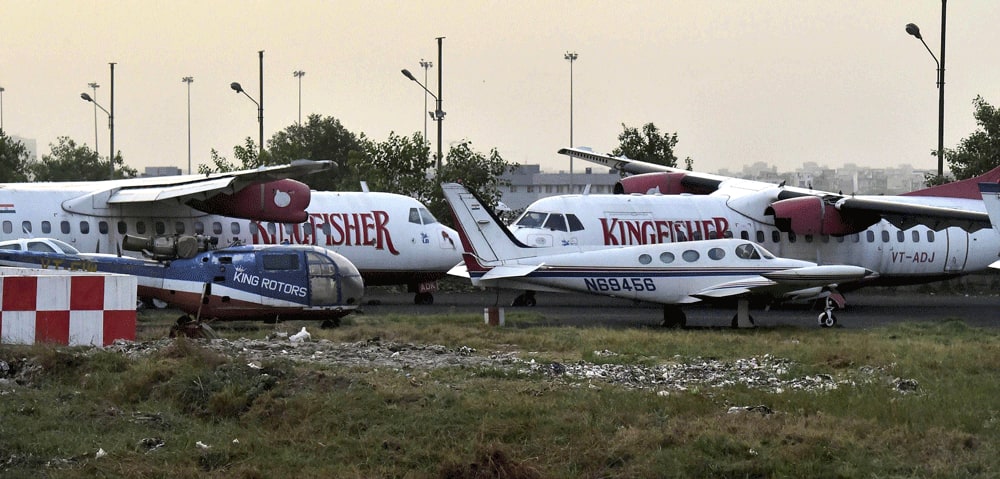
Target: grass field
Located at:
point(60, 406)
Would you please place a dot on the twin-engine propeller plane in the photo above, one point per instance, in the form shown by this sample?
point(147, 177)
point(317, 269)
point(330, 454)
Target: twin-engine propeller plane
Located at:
point(392, 239)
point(927, 235)
point(671, 274)
point(255, 282)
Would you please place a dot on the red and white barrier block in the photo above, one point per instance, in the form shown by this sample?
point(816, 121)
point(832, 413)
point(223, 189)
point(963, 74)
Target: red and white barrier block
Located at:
point(76, 309)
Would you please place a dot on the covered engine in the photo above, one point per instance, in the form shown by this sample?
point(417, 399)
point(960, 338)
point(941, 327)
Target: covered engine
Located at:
point(811, 215)
point(280, 201)
point(169, 247)
point(667, 183)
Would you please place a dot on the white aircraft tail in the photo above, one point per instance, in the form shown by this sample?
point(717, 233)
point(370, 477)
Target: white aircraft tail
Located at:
point(991, 198)
point(483, 234)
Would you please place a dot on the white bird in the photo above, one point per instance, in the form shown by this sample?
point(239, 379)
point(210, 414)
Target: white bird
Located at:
point(300, 336)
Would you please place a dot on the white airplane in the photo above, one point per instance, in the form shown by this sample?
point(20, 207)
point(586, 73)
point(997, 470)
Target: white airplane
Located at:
point(991, 198)
point(671, 274)
point(392, 239)
point(927, 235)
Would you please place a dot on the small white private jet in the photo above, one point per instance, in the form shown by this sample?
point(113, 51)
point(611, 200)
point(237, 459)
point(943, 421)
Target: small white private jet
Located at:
point(671, 274)
point(991, 198)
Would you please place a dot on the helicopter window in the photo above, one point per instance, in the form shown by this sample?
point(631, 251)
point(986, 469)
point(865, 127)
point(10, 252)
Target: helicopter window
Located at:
point(122, 227)
point(666, 257)
point(216, 228)
point(747, 251)
point(716, 253)
point(199, 228)
point(916, 236)
point(320, 265)
point(102, 226)
point(140, 227)
point(690, 256)
point(40, 247)
point(8, 227)
point(280, 261)
point(84, 227)
point(159, 227)
point(46, 227)
point(234, 227)
point(556, 222)
point(179, 227)
point(26, 226)
point(574, 222)
point(225, 259)
point(645, 258)
point(427, 217)
point(532, 219)
point(414, 216)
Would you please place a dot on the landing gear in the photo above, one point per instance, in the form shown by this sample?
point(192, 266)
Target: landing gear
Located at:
point(524, 299)
point(827, 319)
point(742, 319)
point(192, 328)
point(423, 298)
point(673, 317)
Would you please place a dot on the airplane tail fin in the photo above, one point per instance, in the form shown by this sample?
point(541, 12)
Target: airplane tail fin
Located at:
point(967, 188)
point(991, 198)
point(481, 231)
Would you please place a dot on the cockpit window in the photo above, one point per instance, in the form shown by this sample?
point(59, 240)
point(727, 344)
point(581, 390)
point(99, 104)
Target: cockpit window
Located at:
point(747, 251)
point(280, 261)
point(556, 222)
point(574, 222)
point(532, 219)
point(414, 216)
point(427, 217)
point(66, 247)
point(40, 247)
point(320, 265)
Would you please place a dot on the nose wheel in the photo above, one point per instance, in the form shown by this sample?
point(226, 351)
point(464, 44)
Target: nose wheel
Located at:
point(827, 319)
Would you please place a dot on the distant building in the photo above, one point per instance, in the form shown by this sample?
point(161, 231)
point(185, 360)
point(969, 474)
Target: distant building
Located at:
point(528, 184)
point(152, 171)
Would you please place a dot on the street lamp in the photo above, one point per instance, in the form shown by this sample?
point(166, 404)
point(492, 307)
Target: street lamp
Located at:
point(299, 74)
point(914, 30)
point(94, 86)
point(571, 56)
point(1, 108)
point(111, 126)
point(438, 113)
point(426, 65)
point(260, 105)
point(188, 80)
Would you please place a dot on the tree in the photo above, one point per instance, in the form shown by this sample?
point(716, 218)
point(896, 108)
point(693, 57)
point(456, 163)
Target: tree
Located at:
point(478, 172)
point(980, 151)
point(648, 145)
point(248, 155)
point(319, 138)
point(14, 160)
point(69, 162)
point(397, 165)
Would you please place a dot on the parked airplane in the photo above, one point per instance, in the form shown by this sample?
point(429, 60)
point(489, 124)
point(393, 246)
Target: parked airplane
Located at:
point(991, 198)
point(927, 235)
point(666, 273)
point(392, 239)
point(256, 282)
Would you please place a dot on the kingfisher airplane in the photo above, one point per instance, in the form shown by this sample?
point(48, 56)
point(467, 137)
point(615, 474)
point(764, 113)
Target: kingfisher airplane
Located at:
point(671, 274)
point(927, 235)
point(392, 239)
point(256, 282)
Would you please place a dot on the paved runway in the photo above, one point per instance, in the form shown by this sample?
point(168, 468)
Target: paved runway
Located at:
point(864, 309)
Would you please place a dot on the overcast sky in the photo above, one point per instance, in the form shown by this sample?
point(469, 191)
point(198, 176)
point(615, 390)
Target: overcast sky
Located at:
point(783, 82)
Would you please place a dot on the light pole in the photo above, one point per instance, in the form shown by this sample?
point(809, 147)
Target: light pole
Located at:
point(1, 108)
point(438, 113)
point(299, 74)
point(260, 105)
point(914, 30)
point(94, 86)
point(188, 80)
point(426, 66)
point(571, 56)
point(87, 97)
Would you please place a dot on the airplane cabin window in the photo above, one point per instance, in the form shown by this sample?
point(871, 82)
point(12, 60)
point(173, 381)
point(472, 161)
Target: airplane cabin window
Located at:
point(532, 219)
point(645, 258)
point(840, 239)
point(122, 227)
point(8, 227)
point(40, 247)
point(729, 234)
point(179, 227)
point(666, 257)
point(856, 237)
point(556, 222)
point(46, 227)
point(199, 228)
point(216, 228)
point(870, 235)
point(280, 261)
point(900, 236)
point(760, 236)
point(234, 227)
point(791, 236)
point(885, 236)
point(809, 238)
point(696, 236)
point(414, 216)
point(916, 236)
point(574, 223)
point(159, 227)
point(930, 236)
point(690, 256)
point(102, 226)
point(744, 235)
point(140, 227)
point(825, 238)
point(11, 247)
point(84, 227)
point(64, 227)
point(716, 253)
point(26, 227)
point(775, 236)
point(747, 251)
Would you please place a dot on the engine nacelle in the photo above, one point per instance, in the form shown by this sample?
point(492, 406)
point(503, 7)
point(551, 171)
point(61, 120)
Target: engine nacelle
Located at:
point(810, 215)
point(280, 201)
point(169, 247)
point(660, 182)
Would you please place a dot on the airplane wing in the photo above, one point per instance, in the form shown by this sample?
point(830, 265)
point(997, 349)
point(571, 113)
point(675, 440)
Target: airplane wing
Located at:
point(780, 283)
point(510, 271)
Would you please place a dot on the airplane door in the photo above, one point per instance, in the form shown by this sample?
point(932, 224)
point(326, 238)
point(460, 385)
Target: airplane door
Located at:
point(958, 250)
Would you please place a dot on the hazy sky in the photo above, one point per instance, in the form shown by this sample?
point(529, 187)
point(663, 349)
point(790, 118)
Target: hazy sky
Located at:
point(783, 82)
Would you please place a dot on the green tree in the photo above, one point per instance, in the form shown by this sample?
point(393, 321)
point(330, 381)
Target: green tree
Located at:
point(69, 162)
point(14, 160)
point(980, 151)
point(397, 165)
point(648, 145)
point(480, 173)
point(319, 138)
point(247, 154)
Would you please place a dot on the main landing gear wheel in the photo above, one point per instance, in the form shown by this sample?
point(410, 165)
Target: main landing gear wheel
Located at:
point(526, 298)
point(673, 317)
point(827, 319)
point(423, 298)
